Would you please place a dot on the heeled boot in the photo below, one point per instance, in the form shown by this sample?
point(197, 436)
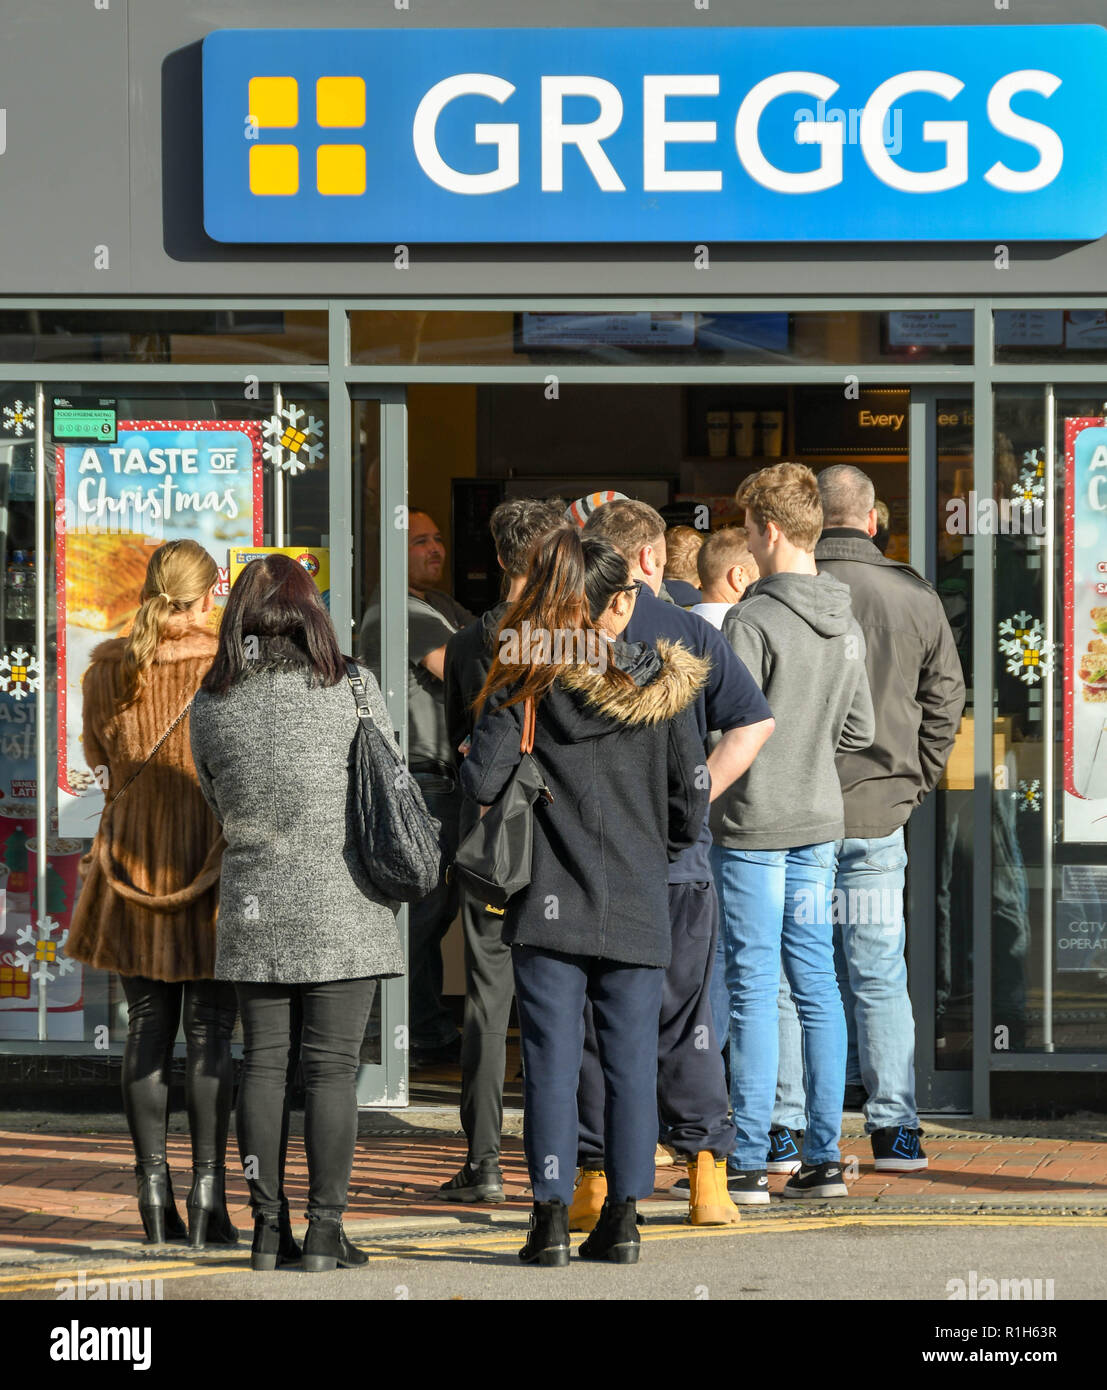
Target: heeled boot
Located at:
point(208, 1220)
point(327, 1246)
point(274, 1244)
point(160, 1219)
point(548, 1242)
point(616, 1235)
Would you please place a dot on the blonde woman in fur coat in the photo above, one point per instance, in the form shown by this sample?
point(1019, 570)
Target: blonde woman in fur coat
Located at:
point(148, 905)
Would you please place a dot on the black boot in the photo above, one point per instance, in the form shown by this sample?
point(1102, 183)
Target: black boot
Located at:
point(327, 1245)
point(548, 1242)
point(208, 1220)
point(484, 1183)
point(615, 1236)
point(160, 1219)
point(274, 1244)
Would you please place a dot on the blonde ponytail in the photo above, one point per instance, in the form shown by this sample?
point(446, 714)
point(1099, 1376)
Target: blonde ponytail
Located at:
point(179, 573)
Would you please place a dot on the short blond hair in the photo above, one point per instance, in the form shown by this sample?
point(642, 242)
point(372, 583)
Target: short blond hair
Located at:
point(720, 552)
point(682, 545)
point(787, 494)
point(628, 525)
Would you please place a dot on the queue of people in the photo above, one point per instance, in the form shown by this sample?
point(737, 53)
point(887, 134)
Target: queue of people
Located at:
point(720, 756)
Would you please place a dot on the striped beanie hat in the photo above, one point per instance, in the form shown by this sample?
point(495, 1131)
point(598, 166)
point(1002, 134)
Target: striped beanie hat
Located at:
point(580, 510)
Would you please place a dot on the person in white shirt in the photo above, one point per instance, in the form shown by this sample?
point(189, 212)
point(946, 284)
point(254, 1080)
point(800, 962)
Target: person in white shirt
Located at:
point(726, 569)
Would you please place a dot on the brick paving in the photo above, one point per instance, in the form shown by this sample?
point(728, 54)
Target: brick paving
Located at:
point(61, 1192)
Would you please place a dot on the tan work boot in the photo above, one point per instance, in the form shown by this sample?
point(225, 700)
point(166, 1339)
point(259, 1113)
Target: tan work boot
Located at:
point(588, 1199)
point(709, 1202)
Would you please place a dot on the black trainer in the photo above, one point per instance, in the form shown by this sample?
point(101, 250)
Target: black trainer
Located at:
point(784, 1150)
point(468, 1184)
point(749, 1189)
point(823, 1180)
point(746, 1189)
point(897, 1150)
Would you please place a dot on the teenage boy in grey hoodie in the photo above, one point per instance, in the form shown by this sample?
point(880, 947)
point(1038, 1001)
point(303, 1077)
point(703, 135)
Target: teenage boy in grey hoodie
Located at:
point(776, 828)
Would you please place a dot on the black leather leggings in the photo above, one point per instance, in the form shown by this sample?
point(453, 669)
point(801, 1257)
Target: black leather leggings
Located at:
point(155, 1009)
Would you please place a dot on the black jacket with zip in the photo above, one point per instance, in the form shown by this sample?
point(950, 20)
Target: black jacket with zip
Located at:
point(469, 656)
point(625, 767)
point(915, 676)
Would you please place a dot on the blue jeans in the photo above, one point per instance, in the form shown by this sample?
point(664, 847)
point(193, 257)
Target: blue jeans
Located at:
point(869, 942)
point(776, 907)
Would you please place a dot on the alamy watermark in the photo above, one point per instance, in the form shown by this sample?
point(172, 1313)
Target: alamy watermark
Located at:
point(984, 1288)
point(528, 645)
point(849, 907)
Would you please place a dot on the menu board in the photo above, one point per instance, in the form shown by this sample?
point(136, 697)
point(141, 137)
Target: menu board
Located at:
point(315, 559)
point(161, 480)
point(1085, 644)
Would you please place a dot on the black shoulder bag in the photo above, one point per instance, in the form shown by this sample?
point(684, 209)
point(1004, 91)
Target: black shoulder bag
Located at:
point(398, 838)
point(493, 862)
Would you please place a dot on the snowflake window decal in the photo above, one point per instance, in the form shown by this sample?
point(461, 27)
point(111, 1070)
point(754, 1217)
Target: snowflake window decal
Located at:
point(1029, 490)
point(1029, 795)
point(1029, 655)
point(44, 952)
point(19, 417)
point(288, 433)
point(19, 673)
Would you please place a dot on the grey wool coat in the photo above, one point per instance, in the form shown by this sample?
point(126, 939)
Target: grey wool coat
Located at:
point(295, 906)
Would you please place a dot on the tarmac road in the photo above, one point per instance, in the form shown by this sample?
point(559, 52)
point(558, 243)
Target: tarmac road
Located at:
point(814, 1256)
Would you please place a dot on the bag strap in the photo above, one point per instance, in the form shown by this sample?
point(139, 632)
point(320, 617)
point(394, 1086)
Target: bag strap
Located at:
point(357, 685)
point(151, 755)
point(526, 742)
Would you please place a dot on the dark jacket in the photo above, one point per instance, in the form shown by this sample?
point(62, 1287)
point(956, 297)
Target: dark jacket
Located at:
point(683, 594)
point(469, 655)
point(915, 676)
point(622, 767)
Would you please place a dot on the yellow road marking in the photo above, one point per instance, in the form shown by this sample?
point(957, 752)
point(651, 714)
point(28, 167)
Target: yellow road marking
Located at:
point(384, 1252)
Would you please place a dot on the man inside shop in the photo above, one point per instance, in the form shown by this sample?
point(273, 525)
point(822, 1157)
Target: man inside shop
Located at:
point(433, 616)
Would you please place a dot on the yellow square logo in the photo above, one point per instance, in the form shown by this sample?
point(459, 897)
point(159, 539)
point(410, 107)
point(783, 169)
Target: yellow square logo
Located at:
point(340, 101)
point(274, 101)
point(340, 170)
point(274, 170)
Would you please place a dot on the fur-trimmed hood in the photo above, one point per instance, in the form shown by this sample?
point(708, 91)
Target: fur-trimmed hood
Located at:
point(181, 641)
point(666, 681)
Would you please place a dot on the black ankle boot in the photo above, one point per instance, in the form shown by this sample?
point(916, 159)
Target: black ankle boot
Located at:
point(327, 1245)
point(274, 1245)
point(160, 1219)
point(548, 1242)
point(208, 1220)
point(615, 1236)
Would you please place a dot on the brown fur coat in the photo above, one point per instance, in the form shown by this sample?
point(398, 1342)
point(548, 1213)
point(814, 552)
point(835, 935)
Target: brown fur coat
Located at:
point(148, 906)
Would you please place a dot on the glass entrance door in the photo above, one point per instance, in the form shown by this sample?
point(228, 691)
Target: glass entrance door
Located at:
point(940, 833)
point(368, 603)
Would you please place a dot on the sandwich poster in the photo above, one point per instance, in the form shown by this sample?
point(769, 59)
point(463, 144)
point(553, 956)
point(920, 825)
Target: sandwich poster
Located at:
point(161, 480)
point(1085, 683)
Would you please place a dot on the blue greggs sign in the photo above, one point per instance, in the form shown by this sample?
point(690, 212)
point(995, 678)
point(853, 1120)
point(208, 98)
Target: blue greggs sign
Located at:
point(992, 132)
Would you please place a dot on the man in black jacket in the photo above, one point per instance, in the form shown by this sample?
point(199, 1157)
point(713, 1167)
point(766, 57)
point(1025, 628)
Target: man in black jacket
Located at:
point(516, 525)
point(918, 693)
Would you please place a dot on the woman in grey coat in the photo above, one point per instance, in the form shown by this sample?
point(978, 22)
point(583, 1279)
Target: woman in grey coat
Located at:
point(302, 932)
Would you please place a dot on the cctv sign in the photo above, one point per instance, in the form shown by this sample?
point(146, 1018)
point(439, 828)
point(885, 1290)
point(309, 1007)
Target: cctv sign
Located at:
point(959, 133)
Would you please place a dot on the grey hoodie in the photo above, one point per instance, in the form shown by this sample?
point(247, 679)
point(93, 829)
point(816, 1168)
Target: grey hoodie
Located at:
point(802, 645)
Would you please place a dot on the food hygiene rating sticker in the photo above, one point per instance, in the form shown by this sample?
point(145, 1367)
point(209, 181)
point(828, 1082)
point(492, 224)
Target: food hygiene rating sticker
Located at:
point(944, 133)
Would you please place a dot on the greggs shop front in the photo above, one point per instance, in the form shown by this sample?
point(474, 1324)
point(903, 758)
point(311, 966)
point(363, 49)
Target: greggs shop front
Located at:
point(266, 285)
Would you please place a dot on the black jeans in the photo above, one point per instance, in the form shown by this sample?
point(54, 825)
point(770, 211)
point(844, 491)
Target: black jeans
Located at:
point(489, 990)
point(428, 921)
point(320, 1025)
point(154, 1015)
